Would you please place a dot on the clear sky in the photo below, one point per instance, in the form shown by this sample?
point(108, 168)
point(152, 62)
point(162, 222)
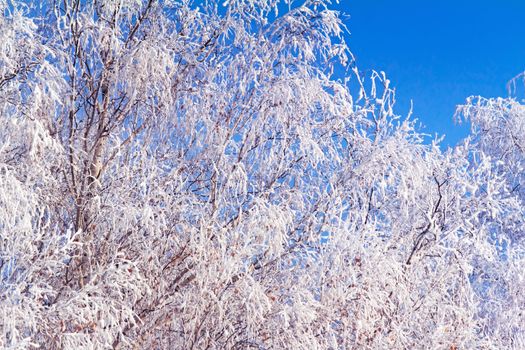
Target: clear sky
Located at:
point(437, 53)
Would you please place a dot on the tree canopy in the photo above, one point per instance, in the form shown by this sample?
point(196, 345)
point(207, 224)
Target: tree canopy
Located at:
point(209, 175)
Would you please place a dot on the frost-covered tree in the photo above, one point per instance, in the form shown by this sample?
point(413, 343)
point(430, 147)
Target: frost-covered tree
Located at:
point(179, 175)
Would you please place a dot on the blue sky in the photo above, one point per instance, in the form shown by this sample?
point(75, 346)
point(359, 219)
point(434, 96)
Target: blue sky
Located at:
point(437, 53)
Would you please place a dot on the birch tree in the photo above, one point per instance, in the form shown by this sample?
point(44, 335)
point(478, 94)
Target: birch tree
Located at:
point(180, 175)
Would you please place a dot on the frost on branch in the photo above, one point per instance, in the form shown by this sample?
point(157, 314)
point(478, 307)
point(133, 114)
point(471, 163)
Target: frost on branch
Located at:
point(175, 176)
